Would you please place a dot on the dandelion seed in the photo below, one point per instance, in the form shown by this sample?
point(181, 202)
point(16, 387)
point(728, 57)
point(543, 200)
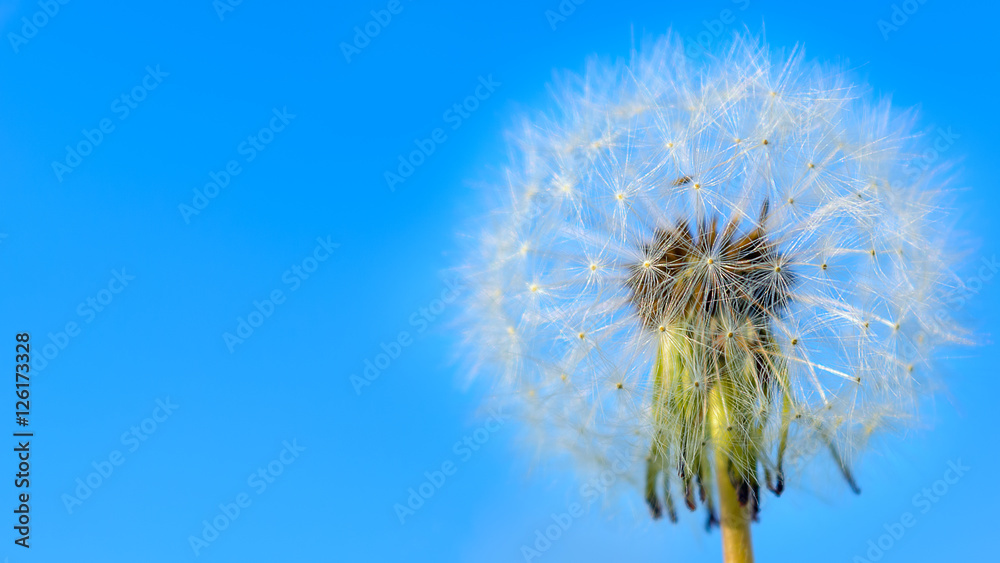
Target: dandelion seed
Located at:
point(701, 291)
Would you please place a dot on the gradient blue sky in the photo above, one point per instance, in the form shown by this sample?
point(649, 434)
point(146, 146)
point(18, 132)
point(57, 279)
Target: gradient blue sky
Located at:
point(65, 236)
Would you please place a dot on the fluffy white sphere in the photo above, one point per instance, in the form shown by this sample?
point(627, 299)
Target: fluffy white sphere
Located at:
point(749, 218)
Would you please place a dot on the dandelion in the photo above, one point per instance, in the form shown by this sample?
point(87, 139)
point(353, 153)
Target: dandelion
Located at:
point(723, 271)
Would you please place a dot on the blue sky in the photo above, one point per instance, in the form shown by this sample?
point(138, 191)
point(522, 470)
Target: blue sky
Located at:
point(196, 220)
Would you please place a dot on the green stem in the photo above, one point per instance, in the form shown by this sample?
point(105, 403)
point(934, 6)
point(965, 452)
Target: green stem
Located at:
point(734, 518)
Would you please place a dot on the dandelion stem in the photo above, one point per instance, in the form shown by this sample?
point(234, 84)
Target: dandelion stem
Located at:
point(734, 518)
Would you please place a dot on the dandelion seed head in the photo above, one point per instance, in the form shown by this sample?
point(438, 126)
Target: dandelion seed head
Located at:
point(670, 263)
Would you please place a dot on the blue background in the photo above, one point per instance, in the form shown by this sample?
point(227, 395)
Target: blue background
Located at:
point(322, 176)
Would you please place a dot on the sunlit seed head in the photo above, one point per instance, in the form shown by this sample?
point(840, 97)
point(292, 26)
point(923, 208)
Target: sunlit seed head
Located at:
point(712, 283)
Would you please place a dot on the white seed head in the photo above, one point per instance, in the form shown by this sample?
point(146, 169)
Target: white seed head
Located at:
point(830, 302)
